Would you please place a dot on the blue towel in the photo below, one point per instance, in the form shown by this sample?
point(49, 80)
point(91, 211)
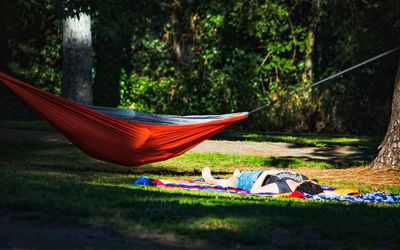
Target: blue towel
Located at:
point(143, 181)
point(371, 197)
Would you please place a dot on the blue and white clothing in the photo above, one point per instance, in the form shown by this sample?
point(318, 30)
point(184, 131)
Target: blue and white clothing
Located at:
point(246, 179)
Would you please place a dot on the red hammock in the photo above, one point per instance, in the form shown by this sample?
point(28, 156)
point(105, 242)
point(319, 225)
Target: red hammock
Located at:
point(117, 140)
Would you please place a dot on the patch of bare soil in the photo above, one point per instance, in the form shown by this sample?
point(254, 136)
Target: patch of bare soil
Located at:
point(359, 175)
point(283, 149)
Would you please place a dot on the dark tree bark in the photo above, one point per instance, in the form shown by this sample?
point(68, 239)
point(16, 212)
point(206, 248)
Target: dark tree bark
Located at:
point(109, 61)
point(314, 22)
point(389, 150)
point(77, 59)
point(183, 36)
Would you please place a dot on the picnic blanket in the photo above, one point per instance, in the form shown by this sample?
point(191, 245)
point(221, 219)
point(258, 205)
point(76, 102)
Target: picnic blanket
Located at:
point(349, 195)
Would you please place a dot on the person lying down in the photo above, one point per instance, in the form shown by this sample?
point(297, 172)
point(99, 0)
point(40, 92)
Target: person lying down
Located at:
point(266, 181)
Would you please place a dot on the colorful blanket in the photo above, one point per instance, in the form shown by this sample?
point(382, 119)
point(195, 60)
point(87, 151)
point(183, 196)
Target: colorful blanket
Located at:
point(199, 184)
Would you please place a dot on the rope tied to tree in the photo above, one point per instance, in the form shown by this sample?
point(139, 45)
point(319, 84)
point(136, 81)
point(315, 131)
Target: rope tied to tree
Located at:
point(325, 79)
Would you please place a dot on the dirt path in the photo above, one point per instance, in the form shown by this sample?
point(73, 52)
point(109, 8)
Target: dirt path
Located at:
point(276, 149)
point(355, 175)
point(283, 149)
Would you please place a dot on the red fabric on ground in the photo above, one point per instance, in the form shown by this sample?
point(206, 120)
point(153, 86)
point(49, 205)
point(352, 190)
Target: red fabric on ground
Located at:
point(297, 194)
point(112, 139)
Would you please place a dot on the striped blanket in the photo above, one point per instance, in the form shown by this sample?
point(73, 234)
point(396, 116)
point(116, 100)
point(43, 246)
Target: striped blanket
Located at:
point(347, 195)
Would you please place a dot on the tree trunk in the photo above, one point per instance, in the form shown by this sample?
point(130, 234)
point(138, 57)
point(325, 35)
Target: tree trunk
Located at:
point(77, 59)
point(308, 62)
point(108, 63)
point(389, 150)
point(311, 117)
point(183, 37)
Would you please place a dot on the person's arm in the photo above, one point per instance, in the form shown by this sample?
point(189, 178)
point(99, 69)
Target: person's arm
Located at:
point(272, 187)
point(258, 183)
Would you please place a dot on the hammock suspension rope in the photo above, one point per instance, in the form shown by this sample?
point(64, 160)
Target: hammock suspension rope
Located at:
point(325, 79)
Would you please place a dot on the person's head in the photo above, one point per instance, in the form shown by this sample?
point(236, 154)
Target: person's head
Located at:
point(309, 187)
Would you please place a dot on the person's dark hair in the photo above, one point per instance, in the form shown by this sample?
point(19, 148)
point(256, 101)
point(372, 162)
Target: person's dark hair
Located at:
point(309, 188)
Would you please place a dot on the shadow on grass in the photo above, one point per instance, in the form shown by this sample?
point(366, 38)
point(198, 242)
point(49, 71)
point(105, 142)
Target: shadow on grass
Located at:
point(281, 162)
point(102, 200)
point(36, 125)
point(337, 153)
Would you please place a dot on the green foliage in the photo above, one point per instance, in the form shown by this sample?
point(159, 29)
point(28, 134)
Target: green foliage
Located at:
point(360, 101)
point(144, 93)
point(229, 69)
point(33, 58)
point(219, 56)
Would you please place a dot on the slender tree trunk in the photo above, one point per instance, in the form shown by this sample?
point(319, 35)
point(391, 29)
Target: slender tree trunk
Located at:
point(308, 64)
point(312, 115)
point(389, 150)
point(183, 37)
point(77, 59)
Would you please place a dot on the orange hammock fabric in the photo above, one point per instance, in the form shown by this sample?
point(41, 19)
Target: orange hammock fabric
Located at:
point(118, 140)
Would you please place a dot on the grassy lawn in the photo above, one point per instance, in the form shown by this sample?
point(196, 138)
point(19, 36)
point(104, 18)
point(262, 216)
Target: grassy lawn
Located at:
point(55, 182)
point(27, 125)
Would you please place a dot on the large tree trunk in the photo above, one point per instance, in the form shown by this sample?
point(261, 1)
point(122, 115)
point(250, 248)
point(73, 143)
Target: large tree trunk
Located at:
point(77, 59)
point(389, 150)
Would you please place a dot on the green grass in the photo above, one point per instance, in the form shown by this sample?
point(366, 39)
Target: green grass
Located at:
point(104, 199)
point(26, 125)
point(55, 182)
